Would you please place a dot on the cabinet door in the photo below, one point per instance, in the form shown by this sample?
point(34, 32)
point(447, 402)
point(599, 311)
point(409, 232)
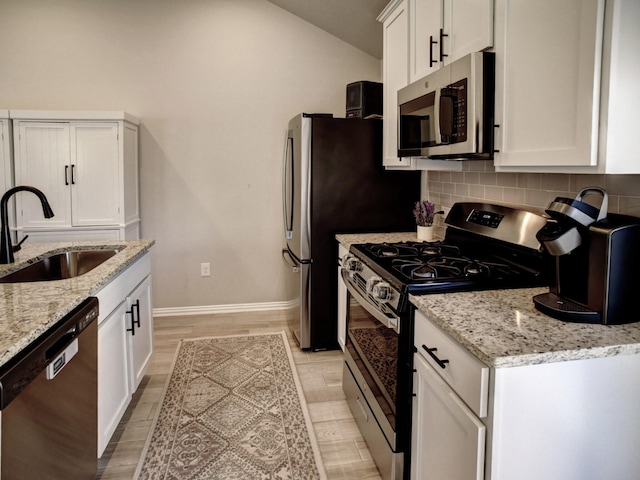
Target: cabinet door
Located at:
point(113, 375)
point(42, 161)
point(443, 31)
point(95, 174)
point(6, 177)
point(548, 64)
point(5, 156)
point(139, 331)
point(427, 17)
point(469, 26)
point(130, 167)
point(448, 440)
point(395, 71)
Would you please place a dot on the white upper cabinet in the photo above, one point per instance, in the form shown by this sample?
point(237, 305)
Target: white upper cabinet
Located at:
point(547, 75)
point(88, 169)
point(43, 161)
point(442, 31)
point(395, 73)
point(566, 85)
point(427, 22)
point(94, 147)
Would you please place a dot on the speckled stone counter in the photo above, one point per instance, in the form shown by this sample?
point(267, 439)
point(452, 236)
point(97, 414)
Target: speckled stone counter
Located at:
point(348, 239)
point(27, 310)
point(503, 329)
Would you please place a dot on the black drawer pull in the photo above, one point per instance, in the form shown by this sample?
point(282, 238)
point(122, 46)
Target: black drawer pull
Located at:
point(442, 363)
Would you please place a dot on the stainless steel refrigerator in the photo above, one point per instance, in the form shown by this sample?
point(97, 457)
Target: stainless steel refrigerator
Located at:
point(334, 182)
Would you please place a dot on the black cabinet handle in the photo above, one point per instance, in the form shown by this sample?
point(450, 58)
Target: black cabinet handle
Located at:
point(73, 179)
point(135, 317)
point(66, 174)
point(432, 42)
point(430, 351)
point(137, 307)
point(442, 54)
point(133, 321)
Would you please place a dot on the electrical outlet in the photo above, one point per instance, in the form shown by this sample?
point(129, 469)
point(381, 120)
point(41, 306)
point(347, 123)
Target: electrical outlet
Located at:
point(205, 269)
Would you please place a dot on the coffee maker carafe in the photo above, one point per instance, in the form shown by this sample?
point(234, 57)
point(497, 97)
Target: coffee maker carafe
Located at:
point(597, 262)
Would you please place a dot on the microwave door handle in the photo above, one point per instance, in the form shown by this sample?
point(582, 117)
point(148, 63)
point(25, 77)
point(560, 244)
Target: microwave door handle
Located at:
point(436, 112)
point(387, 321)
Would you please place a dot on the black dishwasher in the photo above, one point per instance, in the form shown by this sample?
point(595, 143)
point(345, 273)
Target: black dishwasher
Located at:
point(49, 403)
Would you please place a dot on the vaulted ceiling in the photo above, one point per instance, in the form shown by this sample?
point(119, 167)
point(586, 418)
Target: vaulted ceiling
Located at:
point(353, 21)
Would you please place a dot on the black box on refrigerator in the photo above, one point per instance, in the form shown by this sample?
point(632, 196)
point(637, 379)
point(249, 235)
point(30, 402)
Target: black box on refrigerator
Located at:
point(364, 99)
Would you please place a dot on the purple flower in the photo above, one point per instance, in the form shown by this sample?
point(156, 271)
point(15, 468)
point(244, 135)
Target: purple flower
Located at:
point(424, 213)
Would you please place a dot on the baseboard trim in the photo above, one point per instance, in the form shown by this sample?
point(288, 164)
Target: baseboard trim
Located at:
point(231, 308)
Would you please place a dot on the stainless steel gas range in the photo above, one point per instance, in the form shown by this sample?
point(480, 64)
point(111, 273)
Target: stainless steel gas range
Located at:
point(485, 247)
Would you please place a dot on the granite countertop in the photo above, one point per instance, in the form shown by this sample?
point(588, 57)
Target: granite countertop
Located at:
point(27, 310)
point(348, 239)
point(503, 329)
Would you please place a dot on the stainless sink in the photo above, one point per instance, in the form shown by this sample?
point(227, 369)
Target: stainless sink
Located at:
point(59, 266)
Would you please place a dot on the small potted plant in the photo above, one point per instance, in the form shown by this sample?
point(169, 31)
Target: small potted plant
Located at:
point(424, 213)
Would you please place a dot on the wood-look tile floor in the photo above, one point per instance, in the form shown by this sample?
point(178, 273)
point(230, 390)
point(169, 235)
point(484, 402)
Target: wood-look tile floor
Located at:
point(344, 451)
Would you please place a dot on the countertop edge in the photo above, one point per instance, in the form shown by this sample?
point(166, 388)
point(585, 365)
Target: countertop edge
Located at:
point(511, 333)
point(20, 328)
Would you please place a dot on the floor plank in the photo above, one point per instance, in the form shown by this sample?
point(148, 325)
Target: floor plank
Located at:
point(344, 451)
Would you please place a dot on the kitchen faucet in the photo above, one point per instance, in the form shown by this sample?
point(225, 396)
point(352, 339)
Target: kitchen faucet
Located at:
point(6, 248)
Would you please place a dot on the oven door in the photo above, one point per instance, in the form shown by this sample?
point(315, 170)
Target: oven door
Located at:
point(372, 354)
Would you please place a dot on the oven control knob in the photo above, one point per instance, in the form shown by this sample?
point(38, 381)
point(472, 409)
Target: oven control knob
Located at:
point(351, 264)
point(382, 291)
point(379, 290)
point(372, 282)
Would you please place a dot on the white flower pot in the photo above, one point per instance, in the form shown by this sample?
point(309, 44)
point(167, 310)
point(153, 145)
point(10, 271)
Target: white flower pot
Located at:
point(425, 233)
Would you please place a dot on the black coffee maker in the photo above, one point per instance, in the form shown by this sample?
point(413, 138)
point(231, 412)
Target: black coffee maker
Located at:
point(597, 262)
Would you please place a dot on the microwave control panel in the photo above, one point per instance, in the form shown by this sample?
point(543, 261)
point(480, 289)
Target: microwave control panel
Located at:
point(453, 112)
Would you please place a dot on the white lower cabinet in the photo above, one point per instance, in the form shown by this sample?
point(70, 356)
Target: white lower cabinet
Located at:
point(450, 389)
point(114, 389)
point(563, 420)
point(448, 440)
point(125, 343)
point(140, 329)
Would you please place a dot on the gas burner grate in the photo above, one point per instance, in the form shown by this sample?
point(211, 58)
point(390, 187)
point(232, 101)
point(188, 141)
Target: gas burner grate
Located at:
point(411, 249)
point(450, 268)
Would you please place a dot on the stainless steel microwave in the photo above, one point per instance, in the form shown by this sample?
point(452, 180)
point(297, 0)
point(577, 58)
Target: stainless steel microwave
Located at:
point(449, 114)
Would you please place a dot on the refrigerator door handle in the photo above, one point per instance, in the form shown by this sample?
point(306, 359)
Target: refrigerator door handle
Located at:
point(287, 187)
point(290, 261)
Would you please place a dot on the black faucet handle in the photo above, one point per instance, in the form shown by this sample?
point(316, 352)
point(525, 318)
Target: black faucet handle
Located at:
point(19, 245)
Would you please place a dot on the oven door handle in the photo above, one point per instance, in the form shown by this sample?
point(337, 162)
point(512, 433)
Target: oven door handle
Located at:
point(387, 320)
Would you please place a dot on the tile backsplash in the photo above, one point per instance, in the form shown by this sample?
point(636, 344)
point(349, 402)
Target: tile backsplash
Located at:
point(532, 191)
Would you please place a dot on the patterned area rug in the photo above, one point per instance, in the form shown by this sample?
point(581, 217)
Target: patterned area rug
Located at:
point(233, 408)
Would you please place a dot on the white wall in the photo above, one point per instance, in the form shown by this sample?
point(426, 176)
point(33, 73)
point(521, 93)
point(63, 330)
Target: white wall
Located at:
point(214, 83)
